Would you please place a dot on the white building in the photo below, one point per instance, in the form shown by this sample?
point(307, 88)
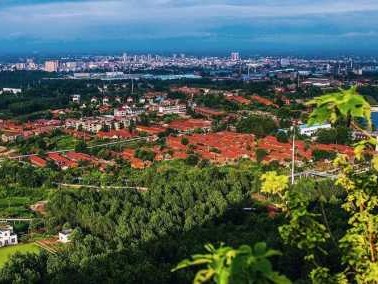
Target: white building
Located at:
point(76, 99)
point(127, 111)
point(118, 99)
point(172, 109)
point(11, 91)
point(7, 237)
point(105, 101)
point(64, 236)
point(93, 100)
point(311, 130)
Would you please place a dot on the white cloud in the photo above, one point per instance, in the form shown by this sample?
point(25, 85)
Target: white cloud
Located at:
point(154, 18)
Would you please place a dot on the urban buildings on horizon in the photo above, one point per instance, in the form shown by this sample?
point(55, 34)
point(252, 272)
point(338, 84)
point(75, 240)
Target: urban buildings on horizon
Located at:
point(233, 65)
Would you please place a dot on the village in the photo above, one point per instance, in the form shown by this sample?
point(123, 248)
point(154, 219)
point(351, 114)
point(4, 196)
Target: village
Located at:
point(187, 129)
point(118, 129)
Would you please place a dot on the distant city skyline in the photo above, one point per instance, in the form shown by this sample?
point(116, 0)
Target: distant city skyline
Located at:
point(300, 27)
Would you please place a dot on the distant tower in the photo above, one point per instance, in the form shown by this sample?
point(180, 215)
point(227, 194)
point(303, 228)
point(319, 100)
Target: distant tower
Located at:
point(51, 66)
point(298, 79)
point(235, 56)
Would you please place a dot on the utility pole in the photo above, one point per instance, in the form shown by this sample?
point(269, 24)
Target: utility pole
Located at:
point(293, 156)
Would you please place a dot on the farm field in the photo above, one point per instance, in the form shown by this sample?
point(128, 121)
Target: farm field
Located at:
point(6, 252)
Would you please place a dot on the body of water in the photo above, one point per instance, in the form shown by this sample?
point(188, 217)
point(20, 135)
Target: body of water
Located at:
point(374, 118)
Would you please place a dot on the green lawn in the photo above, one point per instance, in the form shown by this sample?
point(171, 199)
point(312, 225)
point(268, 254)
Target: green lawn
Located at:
point(6, 252)
point(66, 142)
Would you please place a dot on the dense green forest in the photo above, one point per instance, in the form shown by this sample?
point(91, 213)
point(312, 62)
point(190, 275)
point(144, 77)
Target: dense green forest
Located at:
point(125, 236)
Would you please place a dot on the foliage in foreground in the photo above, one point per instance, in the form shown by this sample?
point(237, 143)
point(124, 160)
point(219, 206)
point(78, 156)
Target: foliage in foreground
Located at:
point(310, 231)
point(242, 265)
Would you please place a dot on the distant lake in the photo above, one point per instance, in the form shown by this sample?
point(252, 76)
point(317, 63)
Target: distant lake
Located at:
point(374, 118)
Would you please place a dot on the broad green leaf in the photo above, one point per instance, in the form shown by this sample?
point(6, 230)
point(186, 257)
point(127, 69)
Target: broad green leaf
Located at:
point(260, 248)
point(343, 104)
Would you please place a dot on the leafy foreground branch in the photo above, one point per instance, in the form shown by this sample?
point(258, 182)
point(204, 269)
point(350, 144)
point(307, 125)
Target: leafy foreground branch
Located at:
point(307, 227)
point(227, 265)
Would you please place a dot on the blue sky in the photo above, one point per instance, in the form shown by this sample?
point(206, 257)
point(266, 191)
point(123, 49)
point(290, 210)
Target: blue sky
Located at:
point(207, 26)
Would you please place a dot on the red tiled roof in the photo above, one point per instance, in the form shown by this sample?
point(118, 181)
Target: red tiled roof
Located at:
point(116, 134)
point(263, 101)
point(189, 124)
point(152, 130)
point(38, 161)
point(238, 99)
point(282, 151)
point(60, 160)
point(76, 156)
point(231, 146)
point(128, 154)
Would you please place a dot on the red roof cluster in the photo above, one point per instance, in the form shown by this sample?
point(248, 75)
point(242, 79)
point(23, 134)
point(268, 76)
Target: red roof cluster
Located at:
point(342, 149)
point(190, 124)
point(28, 129)
point(61, 161)
point(208, 112)
point(69, 160)
point(151, 130)
point(282, 152)
point(263, 101)
point(136, 163)
point(218, 147)
point(38, 161)
point(238, 99)
point(77, 157)
point(116, 134)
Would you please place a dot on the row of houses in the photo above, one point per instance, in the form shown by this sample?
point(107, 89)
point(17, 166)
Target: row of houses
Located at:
point(65, 161)
point(282, 152)
point(11, 131)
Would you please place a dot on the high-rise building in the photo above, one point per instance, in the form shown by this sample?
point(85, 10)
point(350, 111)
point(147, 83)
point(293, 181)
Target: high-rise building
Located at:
point(235, 56)
point(51, 66)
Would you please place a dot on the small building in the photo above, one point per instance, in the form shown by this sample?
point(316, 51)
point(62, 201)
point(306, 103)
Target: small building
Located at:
point(311, 130)
point(75, 99)
point(11, 136)
point(13, 91)
point(105, 100)
point(7, 237)
point(38, 161)
point(93, 100)
point(172, 109)
point(64, 236)
point(118, 99)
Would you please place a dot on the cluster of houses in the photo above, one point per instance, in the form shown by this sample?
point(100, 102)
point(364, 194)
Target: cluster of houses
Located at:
point(12, 131)
point(70, 159)
point(9, 238)
point(124, 123)
point(282, 152)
